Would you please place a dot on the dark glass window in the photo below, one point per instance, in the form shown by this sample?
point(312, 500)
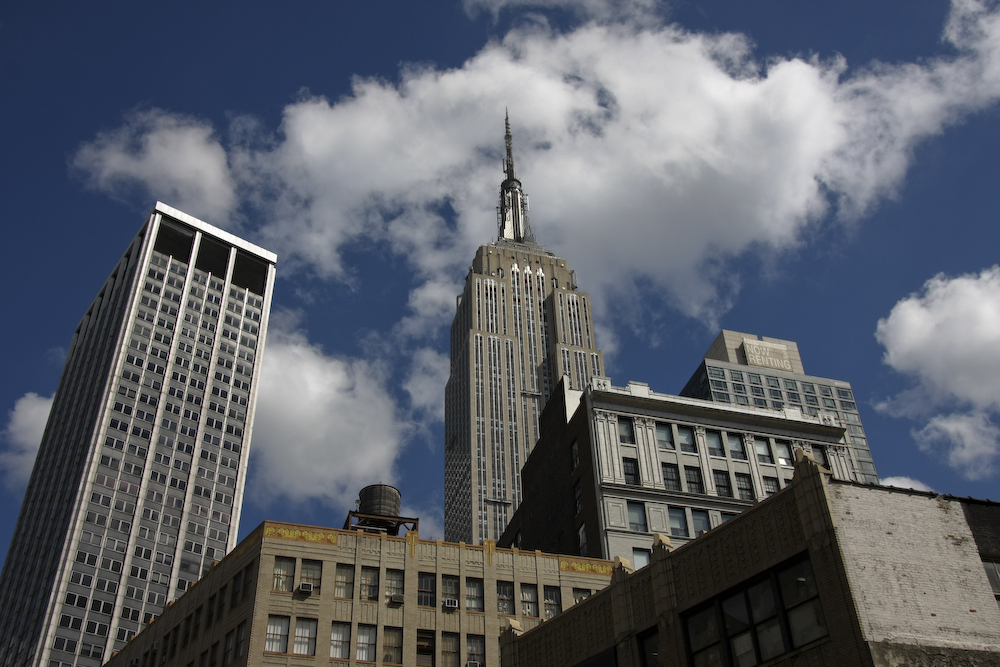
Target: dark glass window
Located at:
point(426, 589)
point(671, 477)
point(744, 486)
point(630, 467)
point(765, 618)
point(692, 476)
point(723, 487)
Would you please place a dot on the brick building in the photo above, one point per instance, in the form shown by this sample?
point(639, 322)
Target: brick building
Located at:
point(300, 595)
point(825, 572)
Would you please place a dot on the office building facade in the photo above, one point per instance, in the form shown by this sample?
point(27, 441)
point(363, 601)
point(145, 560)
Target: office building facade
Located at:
point(302, 595)
point(520, 325)
point(138, 482)
point(616, 465)
point(826, 572)
point(744, 369)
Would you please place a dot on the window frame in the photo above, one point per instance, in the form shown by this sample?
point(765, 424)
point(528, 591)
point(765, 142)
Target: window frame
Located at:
point(276, 635)
point(639, 511)
point(667, 443)
point(675, 513)
point(626, 434)
point(341, 645)
point(671, 481)
point(368, 588)
point(505, 598)
point(724, 489)
point(630, 471)
point(552, 601)
point(392, 645)
point(395, 582)
point(475, 648)
point(367, 642)
point(475, 598)
point(283, 582)
point(312, 573)
point(694, 480)
point(725, 613)
point(714, 451)
point(689, 447)
point(529, 600)
point(426, 589)
point(343, 586)
point(306, 631)
point(762, 447)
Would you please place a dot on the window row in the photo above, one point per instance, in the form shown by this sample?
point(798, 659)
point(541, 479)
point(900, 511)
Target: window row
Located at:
point(719, 443)
point(453, 595)
point(680, 524)
point(777, 383)
point(693, 481)
point(280, 639)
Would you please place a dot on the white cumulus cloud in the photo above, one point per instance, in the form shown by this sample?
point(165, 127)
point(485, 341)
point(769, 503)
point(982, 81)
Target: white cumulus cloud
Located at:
point(22, 436)
point(325, 426)
point(429, 370)
point(171, 157)
point(654, 155)
point(946, 338)
point(970, 442)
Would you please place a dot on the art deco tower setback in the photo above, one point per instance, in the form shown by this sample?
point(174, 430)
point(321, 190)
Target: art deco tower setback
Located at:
point(139, 478)
point(520, 325)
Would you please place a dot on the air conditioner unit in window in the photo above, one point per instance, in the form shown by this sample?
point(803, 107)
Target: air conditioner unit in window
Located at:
point(396, 599)
point(451, 603)
point(473, 664)
point(306, 587)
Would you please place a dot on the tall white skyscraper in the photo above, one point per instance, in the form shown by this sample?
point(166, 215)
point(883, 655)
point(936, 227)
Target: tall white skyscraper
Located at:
point(139, 478)
point(520, 325)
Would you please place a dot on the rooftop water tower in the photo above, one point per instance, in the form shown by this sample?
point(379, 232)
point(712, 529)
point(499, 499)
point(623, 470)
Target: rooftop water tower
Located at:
point(378, 512)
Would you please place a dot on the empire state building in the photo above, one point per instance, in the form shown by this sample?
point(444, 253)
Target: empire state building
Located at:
point(520, 325)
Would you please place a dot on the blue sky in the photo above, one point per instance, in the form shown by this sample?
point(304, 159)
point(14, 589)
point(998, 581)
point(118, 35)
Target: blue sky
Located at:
point(820, 172)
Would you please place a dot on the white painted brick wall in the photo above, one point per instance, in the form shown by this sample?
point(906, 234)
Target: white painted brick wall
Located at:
point(914, 570)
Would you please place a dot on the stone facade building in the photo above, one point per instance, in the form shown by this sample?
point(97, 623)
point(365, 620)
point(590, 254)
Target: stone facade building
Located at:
point(615, 465)
point(745, 369)
point(138, 482)
point(520, 325)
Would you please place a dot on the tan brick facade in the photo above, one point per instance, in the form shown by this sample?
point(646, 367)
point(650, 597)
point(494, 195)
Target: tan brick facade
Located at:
point(237, 634)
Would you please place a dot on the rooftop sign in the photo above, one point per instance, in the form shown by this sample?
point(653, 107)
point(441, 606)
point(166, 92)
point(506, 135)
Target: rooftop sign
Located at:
point(767, 355)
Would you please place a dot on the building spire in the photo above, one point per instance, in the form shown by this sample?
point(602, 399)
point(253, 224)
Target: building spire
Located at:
point(512, 211)
point(508, 169)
